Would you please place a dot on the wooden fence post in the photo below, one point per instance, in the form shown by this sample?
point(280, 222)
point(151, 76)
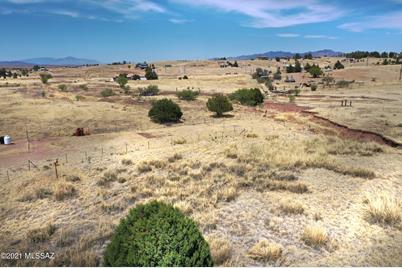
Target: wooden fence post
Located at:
point(56, 164)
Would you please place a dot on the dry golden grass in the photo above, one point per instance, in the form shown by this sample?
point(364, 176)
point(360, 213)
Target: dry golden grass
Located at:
point(63, 191)
point(290, 206)
point(221, 249)
point(381, 207)
point(227, 193)
point(315, 235)
point(265, 251)
point(41, 234)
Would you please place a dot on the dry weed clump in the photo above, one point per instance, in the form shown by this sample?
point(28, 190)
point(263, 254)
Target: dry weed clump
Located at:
point(228, 194)
point(157, 163)
point(383, 208)
point(184, 207)
point(179, 141)
point(175, 158)
point(73, 178)
point(221, 249)
point(63, 191)
point(265, 251)
point(315, 235)
point(41, 234)
point(289, 206)
point(107, 178)
point(144, 167)
point(127, 162)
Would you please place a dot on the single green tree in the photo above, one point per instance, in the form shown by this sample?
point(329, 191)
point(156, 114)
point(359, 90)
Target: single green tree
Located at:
point(315, 71)
point(219, 104)
point(338, 65)
point(157, 234)
point(44, 77)
point(150, 74)
point(122, 80)
point(165, 111)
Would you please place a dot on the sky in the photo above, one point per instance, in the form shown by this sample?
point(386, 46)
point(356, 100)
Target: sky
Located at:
point(138, 30)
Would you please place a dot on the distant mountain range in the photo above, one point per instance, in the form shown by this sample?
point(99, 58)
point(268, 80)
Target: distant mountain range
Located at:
point(48, 61)
point(286, 54)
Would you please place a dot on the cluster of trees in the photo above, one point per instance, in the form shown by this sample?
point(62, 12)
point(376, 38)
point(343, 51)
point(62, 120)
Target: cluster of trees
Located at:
point(261, 75)
point(118, 63)
point(18, 73)
point(150, 73)
point(167, 111)
point(294, 69)
point(373, 54)
point(235, 64)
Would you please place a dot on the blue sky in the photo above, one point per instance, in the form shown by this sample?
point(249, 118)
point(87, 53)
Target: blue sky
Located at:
point(136, 30)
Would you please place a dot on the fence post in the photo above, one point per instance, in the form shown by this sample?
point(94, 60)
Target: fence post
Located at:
point(56, 163)
point(8, 176)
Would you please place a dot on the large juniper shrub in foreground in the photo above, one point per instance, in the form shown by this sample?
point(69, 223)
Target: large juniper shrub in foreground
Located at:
point(165, 111)
point(156, 234)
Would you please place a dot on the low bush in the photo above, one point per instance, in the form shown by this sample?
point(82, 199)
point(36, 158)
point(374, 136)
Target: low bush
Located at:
point(188, 94)
point(107, 93)
point(62, 87)
point(250, 97)
point(164, 111)
point(150, 90)
point(156, 234)
point(219, 104)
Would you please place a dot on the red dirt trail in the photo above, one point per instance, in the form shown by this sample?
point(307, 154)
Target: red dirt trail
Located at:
point(342, 130)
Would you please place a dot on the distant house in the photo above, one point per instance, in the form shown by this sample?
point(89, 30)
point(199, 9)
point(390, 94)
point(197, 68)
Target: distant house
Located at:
point(143, 78)
point(142, 66)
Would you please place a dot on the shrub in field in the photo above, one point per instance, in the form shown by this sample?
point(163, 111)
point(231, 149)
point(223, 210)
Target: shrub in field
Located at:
point(343, 83)
point(83, 87)
point(338, 65)
point(107, 92)
point(150, 90)
point(188, 94)
point(156, 234)
point(44, 77)
point(250, 97)
point(164, 111)
point(150, 74)
point(219, 104)
point(315, 71)
point(62, 87)
point(122, 80)
point(313, 87)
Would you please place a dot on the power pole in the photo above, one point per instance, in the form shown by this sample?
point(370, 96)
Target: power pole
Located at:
point(400, 73)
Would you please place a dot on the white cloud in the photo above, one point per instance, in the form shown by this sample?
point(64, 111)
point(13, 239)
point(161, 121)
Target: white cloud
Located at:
point(288, 35)
point(67, 13)
point(129, 8)
point(179, 21)
point(26, 1)
point(312, 36)
point(273, 13)
point(387, 21)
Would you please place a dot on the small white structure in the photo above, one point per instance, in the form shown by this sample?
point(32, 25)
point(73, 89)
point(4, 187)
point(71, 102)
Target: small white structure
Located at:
point(6, 140)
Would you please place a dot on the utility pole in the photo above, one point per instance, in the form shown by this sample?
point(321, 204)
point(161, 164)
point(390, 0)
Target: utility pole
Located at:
point(400, 73)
